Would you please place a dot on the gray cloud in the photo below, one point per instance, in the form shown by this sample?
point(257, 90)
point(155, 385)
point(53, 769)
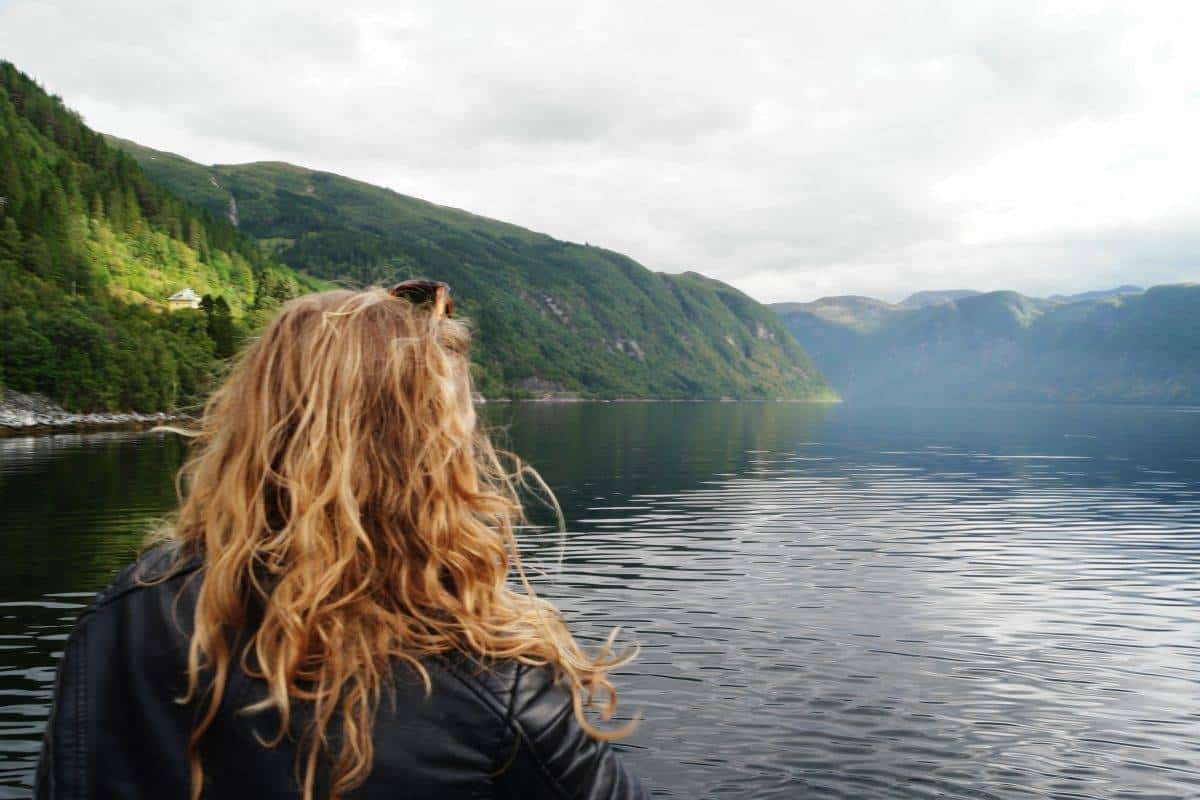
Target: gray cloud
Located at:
point(792, 149)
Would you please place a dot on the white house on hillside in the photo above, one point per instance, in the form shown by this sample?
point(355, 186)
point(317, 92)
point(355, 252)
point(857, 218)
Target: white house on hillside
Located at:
point(184, 298)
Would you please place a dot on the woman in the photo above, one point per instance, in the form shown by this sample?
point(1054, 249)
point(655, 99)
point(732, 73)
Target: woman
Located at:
point(330, 614)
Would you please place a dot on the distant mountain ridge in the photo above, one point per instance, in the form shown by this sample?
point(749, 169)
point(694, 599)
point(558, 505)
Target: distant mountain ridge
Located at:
point(553, 317)
point(860, 306)
point(1118, 345)
point(1103, 294)
point(929, 298)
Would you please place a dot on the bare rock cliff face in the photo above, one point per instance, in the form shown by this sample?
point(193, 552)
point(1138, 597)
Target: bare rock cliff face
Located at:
point(541, 389)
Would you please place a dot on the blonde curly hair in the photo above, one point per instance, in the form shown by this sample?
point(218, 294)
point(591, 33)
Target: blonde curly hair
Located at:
point(340, 484)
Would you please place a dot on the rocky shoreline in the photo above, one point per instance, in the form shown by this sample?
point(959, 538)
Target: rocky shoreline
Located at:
point(34, 414)
point(30, 414)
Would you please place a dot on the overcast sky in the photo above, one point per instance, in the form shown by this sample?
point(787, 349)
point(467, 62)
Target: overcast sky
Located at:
point(794, 149)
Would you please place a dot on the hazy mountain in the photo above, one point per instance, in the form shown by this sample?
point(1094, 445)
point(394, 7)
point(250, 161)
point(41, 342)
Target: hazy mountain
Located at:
point(859, 313)
point(1122, 347)
point(930, 298)
point(1103, 294)
point(551, 315)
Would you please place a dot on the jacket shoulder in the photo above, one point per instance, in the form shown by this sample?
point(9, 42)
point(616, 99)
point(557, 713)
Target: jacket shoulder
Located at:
point(153, 567)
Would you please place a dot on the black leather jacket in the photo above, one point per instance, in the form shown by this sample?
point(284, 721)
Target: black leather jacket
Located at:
point(116, 730)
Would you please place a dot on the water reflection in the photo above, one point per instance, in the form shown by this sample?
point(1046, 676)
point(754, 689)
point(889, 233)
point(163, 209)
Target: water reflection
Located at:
point(832, 602)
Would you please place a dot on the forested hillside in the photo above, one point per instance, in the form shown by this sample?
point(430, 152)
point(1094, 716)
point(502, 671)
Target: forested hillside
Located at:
point(89, 251)
point(551, 315)
point(1118, 346)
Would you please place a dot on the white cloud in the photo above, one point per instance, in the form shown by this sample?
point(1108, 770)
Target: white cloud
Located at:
point(791, 149)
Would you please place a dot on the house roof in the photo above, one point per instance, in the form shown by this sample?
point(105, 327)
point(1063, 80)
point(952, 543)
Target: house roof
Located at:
point(185, 293)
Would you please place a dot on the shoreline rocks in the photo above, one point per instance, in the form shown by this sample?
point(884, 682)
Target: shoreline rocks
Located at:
point(34, 414)
point(25, 414)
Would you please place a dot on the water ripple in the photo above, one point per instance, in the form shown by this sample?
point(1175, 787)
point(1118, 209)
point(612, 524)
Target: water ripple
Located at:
point(830, 603)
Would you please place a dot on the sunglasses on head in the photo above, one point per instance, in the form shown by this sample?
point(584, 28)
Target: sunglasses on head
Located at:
point(419, 293)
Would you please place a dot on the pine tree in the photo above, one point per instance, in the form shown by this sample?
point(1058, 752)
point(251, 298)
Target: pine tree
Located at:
point(220, 325)
point(10, 241)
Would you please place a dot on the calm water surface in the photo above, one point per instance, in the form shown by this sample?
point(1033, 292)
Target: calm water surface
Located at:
point(831, 602)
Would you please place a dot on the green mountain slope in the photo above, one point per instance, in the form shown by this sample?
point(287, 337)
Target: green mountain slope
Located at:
point(551, 315)
point(1112, 347)
point(89, 251)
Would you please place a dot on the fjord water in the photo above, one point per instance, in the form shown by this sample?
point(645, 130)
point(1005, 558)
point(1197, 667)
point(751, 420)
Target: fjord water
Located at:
point(834, 601)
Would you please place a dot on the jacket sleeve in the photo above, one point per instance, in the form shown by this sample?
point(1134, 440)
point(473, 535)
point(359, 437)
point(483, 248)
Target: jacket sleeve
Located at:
point(550, 755)
point(62, 770)
point(114, 730)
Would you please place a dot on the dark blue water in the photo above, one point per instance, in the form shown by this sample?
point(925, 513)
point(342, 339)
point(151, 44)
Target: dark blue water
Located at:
point(831, 602)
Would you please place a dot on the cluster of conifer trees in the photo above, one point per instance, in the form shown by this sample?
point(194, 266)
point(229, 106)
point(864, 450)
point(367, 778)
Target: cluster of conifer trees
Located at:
point(89, 249)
